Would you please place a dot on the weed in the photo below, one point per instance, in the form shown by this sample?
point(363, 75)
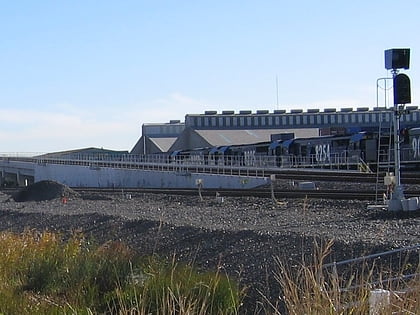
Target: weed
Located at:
point(42, 274)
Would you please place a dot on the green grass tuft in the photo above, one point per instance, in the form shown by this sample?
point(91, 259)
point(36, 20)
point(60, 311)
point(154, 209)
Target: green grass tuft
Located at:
point(42, 274)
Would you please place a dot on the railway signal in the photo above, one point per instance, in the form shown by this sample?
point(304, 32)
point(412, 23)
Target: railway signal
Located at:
point(402, 91)
point(395, 59)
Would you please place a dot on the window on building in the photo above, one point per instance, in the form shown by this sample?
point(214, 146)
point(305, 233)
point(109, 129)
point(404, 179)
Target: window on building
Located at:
point(332, 118)
point(312, 119)
point(298, 118)
point(248, 121)
point(213, 122)
point(263, 122)
point(270, 120)
point(255, 121)
point(373, 118)
point(284, 120)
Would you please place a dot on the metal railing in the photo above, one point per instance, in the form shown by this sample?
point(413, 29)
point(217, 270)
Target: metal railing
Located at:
point(259, 165)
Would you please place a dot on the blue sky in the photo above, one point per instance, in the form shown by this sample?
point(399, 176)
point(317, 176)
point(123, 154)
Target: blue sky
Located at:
point(87, 73)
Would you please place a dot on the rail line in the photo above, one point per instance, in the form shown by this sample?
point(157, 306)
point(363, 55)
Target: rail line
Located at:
point(260, 193)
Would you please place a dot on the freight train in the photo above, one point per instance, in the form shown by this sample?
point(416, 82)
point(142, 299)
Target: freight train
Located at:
point(346, 151)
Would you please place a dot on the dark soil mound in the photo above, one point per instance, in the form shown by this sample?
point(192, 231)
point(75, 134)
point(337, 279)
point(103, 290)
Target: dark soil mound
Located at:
point(44, 190)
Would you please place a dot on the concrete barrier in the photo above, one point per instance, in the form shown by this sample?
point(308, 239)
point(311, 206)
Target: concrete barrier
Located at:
point(83, 176)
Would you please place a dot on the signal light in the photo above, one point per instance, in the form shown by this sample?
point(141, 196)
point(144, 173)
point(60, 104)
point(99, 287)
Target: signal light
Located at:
point(402, 90)
point(397, 58)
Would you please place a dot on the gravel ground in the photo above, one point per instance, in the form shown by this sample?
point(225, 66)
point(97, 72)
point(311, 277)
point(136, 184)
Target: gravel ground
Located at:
point(240, 235)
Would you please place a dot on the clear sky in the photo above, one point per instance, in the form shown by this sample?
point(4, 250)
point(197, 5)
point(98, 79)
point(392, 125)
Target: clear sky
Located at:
point(85, 73)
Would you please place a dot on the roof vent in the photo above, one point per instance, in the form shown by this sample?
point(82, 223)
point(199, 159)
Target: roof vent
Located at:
point(262, 111)
point(362, 109)
point(346, 109)
point(245, 112)
point(296, 111)
point(210, 112)
point(330, 110)
point(313, 110)
point(279, 111)
point(228, 112)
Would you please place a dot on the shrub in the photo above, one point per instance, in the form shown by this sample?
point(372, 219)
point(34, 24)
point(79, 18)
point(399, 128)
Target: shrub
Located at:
point(42, 274)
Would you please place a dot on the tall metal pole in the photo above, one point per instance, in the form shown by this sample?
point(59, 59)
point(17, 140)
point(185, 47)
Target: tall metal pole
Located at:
point(398, 58)
point(277, 91)
point(398, 193)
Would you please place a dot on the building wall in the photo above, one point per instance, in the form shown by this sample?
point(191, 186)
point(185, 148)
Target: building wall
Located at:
point(347, 117)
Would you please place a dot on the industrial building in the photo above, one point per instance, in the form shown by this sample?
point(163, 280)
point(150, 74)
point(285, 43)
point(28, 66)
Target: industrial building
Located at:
point(229, 128)
point(158, 138)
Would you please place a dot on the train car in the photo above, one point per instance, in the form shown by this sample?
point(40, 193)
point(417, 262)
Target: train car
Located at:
point(322, 151)
point(316, 151)
point(410, 149)
point(194, 157)
point(239, 155)
point(347, 151)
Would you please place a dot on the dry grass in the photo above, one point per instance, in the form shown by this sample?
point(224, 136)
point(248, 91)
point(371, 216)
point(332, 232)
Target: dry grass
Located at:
point(42, 274)
point(309, 288)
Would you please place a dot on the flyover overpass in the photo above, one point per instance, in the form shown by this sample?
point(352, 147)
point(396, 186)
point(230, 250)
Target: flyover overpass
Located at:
point(16, 172)
point(125, 172)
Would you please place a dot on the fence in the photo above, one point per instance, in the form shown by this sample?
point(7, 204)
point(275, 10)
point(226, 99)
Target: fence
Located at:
point(380, 298)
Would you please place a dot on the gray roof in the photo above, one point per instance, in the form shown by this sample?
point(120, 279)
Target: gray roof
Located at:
point(249, 136)
point(163, 143)
point(83, 151)
point(200, 138)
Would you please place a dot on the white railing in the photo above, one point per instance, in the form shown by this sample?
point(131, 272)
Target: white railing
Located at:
point(220, 164)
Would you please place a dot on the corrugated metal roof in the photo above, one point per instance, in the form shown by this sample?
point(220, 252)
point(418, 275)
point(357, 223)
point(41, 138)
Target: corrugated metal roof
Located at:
point(86, 151)
point(249, 136)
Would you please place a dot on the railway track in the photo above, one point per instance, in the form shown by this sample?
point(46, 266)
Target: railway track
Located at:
point(260, 193)
point(348, 176)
